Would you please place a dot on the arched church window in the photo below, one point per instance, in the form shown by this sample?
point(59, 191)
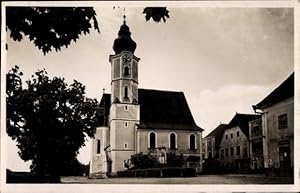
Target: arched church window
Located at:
point(126, 71)
point(192, 140)
point(173, 141)
point(126, 92)
point(152, 140)
point(98, 150)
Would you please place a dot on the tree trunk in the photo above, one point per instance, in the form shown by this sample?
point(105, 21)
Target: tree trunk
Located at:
point(54, 178)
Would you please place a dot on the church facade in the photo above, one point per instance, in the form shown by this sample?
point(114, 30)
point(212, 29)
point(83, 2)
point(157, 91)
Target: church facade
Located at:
point(140, 120)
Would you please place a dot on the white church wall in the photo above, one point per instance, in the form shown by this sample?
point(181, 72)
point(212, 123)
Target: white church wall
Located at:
point(123, 137)
point(163, 140)
point(125, 111)
point(119, 157)
point(98, 159)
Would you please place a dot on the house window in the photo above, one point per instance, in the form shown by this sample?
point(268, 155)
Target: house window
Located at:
point(282, 121)
point(172, 141)
point(152, 140)
point(209, 155)
point(192, 139)
point(222, 153)
point(98, 149)
point(126, 107)
point(126, 124)
point(226, 136)
point(126, 71)
point(237, 133)
point(226, 152)
point(231, 151)
point(231, 135)
point(238, 150)
point(245, 152)
point(125, 145)
point(255, 131)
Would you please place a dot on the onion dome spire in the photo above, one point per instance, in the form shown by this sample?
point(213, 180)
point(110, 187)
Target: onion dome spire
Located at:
point(124, 41)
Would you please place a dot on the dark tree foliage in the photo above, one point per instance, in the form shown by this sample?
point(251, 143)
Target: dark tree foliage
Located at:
point(73, 168)
point(49, 120)
point(156, 13)
point(50, 27)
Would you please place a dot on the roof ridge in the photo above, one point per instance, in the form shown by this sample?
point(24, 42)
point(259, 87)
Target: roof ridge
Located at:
point(161, 90)
point(220, 126)
point(244, 114)
point(279, 92)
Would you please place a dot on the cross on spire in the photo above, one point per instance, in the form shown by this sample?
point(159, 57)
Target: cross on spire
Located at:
point(124, 16)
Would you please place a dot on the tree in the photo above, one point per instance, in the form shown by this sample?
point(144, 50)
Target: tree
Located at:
point(49, 120)
point(73, 168)
point(156, 13)
point(50, 27)
point(55, 27)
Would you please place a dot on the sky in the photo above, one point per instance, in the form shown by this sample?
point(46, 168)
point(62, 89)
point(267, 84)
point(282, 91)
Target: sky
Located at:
point(224, 59)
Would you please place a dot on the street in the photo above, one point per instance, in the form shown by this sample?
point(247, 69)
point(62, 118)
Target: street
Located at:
point(201, 179)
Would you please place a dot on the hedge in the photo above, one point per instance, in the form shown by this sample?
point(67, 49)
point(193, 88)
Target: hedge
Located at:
point(159, 172)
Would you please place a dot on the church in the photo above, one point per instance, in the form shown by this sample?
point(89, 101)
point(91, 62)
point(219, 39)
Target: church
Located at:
point(140, 120)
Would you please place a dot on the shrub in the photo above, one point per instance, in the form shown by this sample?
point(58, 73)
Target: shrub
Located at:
point(211, 166)
point(126, 173)
point(141, 161)
point(153, 172)
point(174, 160)
point(158, 172)
point(140, 173)
point(189, 172)
point(172, 172)
point(21, 177)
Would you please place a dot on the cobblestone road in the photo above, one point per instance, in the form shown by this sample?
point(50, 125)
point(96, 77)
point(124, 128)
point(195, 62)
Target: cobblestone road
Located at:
point(202, 179)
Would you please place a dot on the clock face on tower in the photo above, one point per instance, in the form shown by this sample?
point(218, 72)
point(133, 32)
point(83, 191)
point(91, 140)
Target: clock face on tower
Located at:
point(126, 58)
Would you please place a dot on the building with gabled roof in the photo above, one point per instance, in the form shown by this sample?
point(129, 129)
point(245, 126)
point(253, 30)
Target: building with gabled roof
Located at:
point(141, 120)
point(277, 111)
point(284, 91)
point(212, 142)
point(234, 145)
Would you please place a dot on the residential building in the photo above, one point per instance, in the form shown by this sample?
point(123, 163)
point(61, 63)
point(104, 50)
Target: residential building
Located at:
point(212, 142)
point(256, 144)
point(234, 146)
point(277, 110)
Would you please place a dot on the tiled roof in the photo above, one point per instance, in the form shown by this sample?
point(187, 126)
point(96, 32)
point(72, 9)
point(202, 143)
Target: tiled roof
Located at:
point(167, 126)
point(166, 108)
point(242, 120)
point(160, 109)
point(104, 108)
point(283, 91)
point(217, 133)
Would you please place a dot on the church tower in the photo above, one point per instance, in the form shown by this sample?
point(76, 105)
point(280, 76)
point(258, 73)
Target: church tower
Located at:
point(124, 110)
